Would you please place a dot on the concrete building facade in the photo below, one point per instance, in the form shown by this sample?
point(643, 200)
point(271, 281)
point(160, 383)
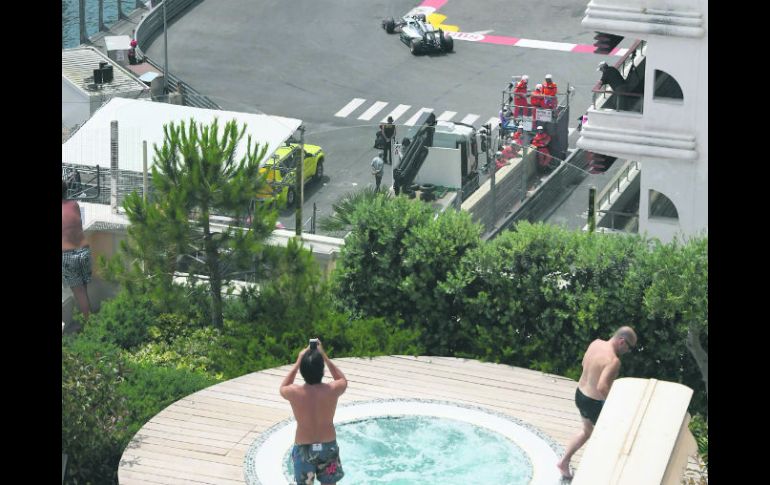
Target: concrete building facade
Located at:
point(668, 136)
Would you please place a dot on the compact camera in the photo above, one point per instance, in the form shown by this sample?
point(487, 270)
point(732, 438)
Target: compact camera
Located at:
point(313, 343)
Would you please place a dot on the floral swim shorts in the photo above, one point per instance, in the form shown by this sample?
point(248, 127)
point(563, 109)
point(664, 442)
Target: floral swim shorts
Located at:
point(317, 461)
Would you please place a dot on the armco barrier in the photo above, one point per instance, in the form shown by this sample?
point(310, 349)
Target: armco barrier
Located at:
point(149, 28)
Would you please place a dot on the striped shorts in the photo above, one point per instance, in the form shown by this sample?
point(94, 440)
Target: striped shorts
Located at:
point(76, 266)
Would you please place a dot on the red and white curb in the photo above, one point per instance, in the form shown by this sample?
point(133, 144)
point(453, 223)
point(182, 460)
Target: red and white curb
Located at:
point(429, 6)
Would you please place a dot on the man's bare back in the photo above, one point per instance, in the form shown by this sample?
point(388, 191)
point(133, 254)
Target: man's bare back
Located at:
point(601, 364)
point(600, 367)
point(314, 407)
point(72, 236)
point(314, 404)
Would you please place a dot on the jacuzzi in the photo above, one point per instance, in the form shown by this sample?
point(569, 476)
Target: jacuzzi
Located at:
point(415, 441)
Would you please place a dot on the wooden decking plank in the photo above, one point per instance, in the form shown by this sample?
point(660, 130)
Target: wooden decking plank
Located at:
point(217, 418)
point(183, 445)
point(181, 440)
point(165, 475)
point(494, 374)
point(198, 429)
point(363, 373)
point(191, 426)
point(246, 410)
point(153, 450)
point(184, 466)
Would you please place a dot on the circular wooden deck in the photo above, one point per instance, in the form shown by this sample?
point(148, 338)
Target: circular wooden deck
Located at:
point(204, 437)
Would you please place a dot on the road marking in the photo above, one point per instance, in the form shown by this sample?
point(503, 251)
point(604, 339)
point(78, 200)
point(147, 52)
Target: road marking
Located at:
point(396, 113)
point(468, 120)
point(446, 115)
point(350, 107)
point(411, 121)
point(429, 7)
point(570, 132)
point(376, 108)
point(436, 4)
point(544, 44)
point(493, 122)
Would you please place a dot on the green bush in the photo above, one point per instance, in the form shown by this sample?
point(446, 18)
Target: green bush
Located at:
point(177, 344)
point(368, 337)
point(122, 320)
point(699, 427)
point(94, 414)
point(534, 298)
point(370, 269)
point(148, 389)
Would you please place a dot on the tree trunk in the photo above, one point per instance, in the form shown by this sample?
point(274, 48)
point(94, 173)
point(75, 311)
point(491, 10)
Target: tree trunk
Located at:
point(700, 355)
point(215, 277)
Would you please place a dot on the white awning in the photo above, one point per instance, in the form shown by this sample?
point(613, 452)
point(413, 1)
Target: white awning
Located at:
point(141, 120)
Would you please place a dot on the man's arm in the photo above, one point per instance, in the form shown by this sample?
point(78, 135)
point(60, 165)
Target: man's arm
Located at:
point(340, 383)
point(285, 388)
point(608, 377)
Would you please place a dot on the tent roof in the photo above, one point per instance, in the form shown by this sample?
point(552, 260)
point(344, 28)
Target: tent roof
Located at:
point(143, 120)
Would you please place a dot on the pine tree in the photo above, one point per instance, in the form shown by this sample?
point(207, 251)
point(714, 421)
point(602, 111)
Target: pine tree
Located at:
point(196, 175)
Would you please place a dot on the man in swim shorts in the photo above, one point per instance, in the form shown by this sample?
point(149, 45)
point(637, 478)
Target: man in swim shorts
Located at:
point(315, 454)
point(601, 364)
point(75, 253)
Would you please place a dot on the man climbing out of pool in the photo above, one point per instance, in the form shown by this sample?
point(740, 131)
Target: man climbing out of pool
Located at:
point(315, 453)
point(601, 364)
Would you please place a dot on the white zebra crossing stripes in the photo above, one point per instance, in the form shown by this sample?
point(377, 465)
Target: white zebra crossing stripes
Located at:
point(413, 120)
point(396, 113)
point(350, 107)
point(376, 108)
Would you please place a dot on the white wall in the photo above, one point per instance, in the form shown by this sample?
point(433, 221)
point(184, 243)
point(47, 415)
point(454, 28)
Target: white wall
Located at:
point(684, 182)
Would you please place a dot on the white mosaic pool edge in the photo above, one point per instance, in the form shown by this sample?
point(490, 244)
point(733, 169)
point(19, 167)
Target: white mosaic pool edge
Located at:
point(270, 449)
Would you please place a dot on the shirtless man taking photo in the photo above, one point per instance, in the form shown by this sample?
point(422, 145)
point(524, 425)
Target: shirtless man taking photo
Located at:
point(601, 364)
point(315, 453)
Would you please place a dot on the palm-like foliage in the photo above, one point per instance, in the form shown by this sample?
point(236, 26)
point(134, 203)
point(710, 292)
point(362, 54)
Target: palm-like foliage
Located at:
point(343, 217)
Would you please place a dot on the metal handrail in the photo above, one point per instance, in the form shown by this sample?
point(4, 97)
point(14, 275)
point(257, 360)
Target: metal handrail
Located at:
point(633, 216)
point(614, 185)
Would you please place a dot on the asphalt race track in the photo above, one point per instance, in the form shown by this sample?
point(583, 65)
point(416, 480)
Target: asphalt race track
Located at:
point(309, 59)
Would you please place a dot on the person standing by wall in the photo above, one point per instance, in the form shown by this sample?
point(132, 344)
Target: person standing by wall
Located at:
point(601, 364)
point(377, 169)
point(315, 453)
point(388, 132)
point(75, 253)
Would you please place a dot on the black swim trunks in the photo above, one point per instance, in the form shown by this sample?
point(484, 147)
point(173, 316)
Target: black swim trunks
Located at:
point(589, 408)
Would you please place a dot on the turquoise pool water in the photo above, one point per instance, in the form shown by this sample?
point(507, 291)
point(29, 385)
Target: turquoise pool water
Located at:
point(409, 450)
